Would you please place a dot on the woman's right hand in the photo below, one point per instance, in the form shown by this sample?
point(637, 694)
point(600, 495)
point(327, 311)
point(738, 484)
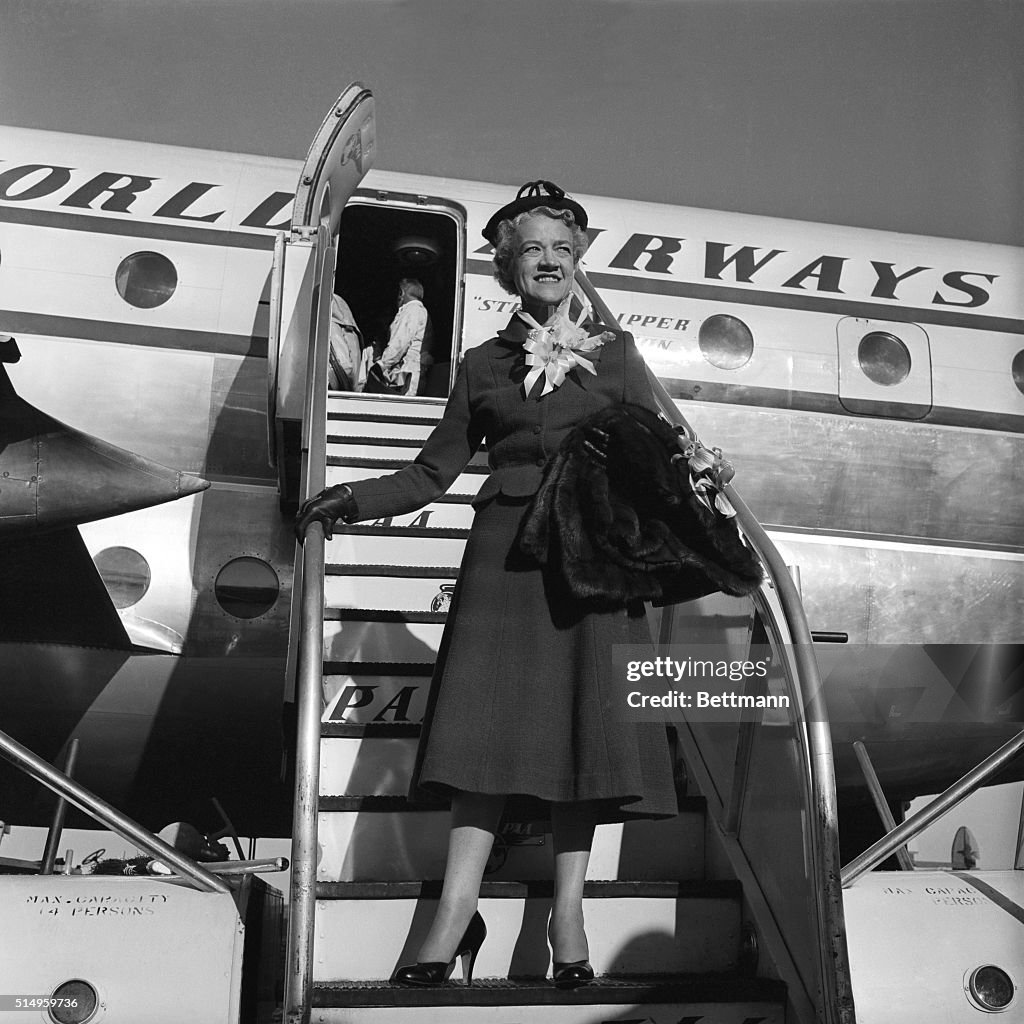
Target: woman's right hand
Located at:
point(326, 508)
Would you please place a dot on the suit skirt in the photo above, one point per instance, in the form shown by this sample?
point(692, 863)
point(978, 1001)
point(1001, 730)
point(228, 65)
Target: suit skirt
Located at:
point(523, 699)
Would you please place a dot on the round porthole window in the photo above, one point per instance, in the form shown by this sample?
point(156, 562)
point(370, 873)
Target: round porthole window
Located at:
point(883, 358)
point(125, 574)
point(246, 587)
point(74, 1002)
point(146, 279)
point(991, 988)
point(725, 341)
point(1018, 371)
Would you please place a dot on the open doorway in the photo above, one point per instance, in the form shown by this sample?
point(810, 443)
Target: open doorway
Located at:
point(386, 237)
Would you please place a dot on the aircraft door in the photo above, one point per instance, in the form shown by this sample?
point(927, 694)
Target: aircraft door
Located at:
point(303, 269)
point(885, 368)
point(387, 237)
point(339, 157)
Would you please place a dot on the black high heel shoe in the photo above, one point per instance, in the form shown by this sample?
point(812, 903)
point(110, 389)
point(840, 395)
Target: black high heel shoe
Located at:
point(572, 974)
point(435, 972)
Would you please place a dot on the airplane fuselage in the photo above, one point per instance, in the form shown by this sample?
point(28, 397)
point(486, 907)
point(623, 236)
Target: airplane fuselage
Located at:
point(868, 387)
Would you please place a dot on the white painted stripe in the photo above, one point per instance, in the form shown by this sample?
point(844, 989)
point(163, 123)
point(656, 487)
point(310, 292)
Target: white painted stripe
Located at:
point(390, 592)
point(361, 549)
point(879, 544)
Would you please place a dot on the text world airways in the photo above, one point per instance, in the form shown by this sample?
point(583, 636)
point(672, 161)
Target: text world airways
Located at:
point(58, 187)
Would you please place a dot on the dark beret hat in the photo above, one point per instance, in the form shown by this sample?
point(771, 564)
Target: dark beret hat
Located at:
point(530, 197)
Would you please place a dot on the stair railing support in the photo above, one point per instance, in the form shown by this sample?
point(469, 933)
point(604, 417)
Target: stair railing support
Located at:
point(310, 642)
point(59, 814)
point(881, 804)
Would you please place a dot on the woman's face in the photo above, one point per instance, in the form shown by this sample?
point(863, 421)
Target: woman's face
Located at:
point(542, 266)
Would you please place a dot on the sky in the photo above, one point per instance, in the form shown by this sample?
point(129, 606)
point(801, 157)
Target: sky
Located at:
point(903, 115)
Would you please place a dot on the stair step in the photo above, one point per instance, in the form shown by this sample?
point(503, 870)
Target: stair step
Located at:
point(386, 451)
point(397, 547)
point(382, 765)
point(387, 838)
point(538, 888)
point(390, 464)
point(429, 588)
point(631, 929)
point(375, 441)
point(403, 641)
point(362, 668)
point(360, 692)
point(464, 483)
point(379, 763)
point(369, 730)
point(435, 572)
point(367, 417)
point(372, 803)
point(708, 999)
point(440, 515)
point(381, 615)
point(371, 530)
point(379, 440)
point(389, 802)
point(382, 406)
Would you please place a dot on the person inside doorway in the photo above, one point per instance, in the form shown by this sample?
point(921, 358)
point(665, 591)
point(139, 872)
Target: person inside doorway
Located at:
point(346, 349)
point(407, 353)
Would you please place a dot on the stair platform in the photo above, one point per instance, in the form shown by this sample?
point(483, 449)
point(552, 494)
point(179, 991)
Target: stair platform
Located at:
point(668, 999)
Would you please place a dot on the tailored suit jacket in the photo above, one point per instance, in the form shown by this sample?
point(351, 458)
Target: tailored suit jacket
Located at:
point(522, 432)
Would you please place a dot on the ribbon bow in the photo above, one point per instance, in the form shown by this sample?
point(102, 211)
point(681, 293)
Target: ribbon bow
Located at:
point(554, 349)
point(709, 471)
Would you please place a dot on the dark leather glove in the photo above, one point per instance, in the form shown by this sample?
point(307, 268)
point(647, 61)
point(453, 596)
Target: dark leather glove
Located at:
point(326, 508)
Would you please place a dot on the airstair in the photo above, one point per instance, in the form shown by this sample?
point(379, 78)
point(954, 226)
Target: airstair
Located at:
point(730, 912)
point(689, 919)
point(666, 935)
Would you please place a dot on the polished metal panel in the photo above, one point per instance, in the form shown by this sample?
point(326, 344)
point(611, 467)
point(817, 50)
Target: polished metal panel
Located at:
point(234, 523)
point(883, 478)
point(55, 476)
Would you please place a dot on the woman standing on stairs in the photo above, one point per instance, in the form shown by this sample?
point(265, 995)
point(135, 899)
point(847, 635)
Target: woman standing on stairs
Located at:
point(520, 715)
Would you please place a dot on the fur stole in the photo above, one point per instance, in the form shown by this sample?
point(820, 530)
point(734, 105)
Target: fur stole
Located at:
point(629, 526)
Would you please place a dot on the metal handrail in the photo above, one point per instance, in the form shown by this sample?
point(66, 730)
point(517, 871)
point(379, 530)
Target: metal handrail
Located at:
point(944, 802)
point(309, 673)
point(59, 814)
point(878, 797)
point(815, 737)
point(261, 865)
point(96, 807)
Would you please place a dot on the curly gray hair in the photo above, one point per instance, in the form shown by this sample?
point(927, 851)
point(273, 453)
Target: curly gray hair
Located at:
point(503, 249)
